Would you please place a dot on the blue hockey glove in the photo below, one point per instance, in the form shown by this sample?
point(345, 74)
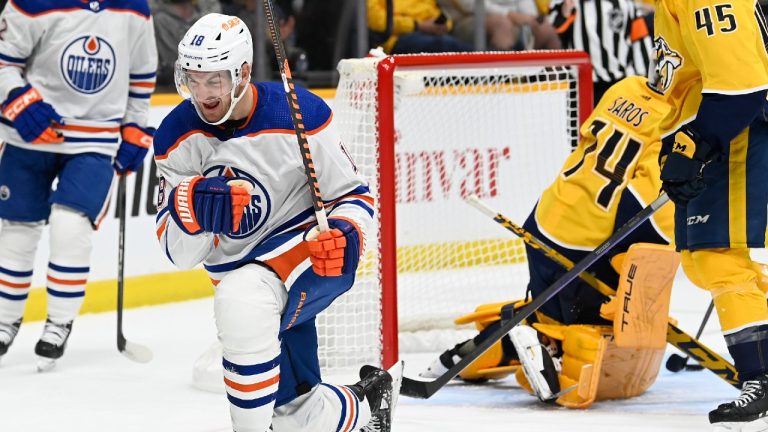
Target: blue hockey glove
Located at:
point(681, 169)
point(200, 204)
point(337, 251)
point(136, 141)
point(32, 118)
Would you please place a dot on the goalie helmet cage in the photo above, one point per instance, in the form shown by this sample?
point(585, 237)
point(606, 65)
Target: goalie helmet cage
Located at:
point(427, 131)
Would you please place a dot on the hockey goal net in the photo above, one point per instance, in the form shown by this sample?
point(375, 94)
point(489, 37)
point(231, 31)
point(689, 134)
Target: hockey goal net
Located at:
point(427, 131)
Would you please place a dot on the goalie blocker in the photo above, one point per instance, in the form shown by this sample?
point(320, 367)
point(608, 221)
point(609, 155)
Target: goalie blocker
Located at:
point(590, 362)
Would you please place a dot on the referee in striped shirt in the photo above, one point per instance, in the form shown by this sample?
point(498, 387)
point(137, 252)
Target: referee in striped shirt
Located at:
point(613, 32)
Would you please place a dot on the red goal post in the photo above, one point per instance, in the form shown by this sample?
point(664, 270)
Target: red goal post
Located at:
point(426, 131)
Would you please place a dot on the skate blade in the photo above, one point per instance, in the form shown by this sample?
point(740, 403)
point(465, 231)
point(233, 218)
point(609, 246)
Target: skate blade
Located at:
point(565, 391)
point(396, 372)
point(759, 425)
point(45, 364)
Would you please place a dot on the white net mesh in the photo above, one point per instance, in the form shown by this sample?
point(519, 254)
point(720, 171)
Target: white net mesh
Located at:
point(499, 131)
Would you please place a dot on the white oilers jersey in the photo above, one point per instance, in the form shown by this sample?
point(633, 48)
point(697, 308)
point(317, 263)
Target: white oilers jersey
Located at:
point(93, 61)
point(263, 151)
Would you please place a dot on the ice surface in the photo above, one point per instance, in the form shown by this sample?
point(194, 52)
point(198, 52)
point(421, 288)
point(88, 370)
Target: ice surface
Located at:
point(95, 389)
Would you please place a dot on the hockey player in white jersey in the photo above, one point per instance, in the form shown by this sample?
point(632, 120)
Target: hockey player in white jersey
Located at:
point(234, 196)
point(75, 81)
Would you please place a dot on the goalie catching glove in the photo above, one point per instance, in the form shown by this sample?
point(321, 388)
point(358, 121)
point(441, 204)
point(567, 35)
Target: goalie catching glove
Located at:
point(200, 204)
point(136, 141)
point(681, 168)
point(32, 118)
point(337, 251)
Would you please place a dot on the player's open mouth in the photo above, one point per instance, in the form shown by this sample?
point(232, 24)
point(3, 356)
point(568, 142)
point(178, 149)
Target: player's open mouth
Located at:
point(211, 105)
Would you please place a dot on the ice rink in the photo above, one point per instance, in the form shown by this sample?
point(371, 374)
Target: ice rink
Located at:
point(95, 389)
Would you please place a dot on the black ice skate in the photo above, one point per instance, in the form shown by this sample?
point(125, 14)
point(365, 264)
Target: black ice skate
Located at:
point(51, 344)
point(381, 389)
point(747, 411)
point(7, 334)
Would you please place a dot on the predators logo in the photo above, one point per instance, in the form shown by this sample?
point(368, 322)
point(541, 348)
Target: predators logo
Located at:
point(667, 61)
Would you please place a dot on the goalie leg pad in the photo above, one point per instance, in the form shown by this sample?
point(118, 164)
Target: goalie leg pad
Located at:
point(640, 309)
point(597, 368)
point(628, 372)
point(583, 349)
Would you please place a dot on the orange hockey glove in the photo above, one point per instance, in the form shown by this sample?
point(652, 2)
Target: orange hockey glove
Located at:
point(335, 252)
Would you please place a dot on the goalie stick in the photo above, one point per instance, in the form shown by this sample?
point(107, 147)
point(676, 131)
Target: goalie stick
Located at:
point(298, 122)
point(425, 389)
point(133, 351)
point(675, 336)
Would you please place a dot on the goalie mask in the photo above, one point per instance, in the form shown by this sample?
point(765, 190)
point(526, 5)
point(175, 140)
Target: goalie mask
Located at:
point(209, 70)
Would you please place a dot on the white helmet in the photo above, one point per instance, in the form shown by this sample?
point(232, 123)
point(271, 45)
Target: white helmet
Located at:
point(211, 56)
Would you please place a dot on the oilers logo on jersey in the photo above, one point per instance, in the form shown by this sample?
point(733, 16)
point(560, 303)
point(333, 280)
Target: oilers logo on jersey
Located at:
point(88, 64)
point(257, 212)
point(667, 61)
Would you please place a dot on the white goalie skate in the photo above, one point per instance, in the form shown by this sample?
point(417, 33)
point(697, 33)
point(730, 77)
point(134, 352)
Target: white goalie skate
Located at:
point(539, 367)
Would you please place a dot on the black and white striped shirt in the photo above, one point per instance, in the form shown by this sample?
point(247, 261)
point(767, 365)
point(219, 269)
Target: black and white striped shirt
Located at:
point(613, 32)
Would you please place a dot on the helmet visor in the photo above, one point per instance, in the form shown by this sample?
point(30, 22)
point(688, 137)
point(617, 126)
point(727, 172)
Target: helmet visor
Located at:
point(203, 87)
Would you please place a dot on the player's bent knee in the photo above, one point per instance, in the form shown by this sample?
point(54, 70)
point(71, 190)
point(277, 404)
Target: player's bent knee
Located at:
point(740, 306)
point(71, 234)
point(731, 277)
point(248, 303)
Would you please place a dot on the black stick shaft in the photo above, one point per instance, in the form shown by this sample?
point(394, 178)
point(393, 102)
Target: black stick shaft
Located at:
point(120, 261)
point(298, 122)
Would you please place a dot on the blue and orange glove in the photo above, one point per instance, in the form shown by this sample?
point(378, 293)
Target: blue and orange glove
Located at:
point(199, 204)
point(133, 149)
point(32, 118)
point(334, 252)
point(682, 166)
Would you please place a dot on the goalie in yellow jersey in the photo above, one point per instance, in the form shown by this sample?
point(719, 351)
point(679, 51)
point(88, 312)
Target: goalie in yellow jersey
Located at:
point(713, 69)
point(611, 175)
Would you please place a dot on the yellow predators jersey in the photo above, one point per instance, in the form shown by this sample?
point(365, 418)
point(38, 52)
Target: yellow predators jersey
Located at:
point(618, 150)
point(709, 46)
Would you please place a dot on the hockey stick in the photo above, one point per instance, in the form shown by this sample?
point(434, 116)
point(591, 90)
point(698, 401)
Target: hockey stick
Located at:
point(298, 122)
point(676, 362)
point(135, 352)
point(675, 336)
point(425, 389)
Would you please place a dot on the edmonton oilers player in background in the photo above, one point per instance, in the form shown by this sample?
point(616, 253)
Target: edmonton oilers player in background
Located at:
point(75, 97)
point(234, 196)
